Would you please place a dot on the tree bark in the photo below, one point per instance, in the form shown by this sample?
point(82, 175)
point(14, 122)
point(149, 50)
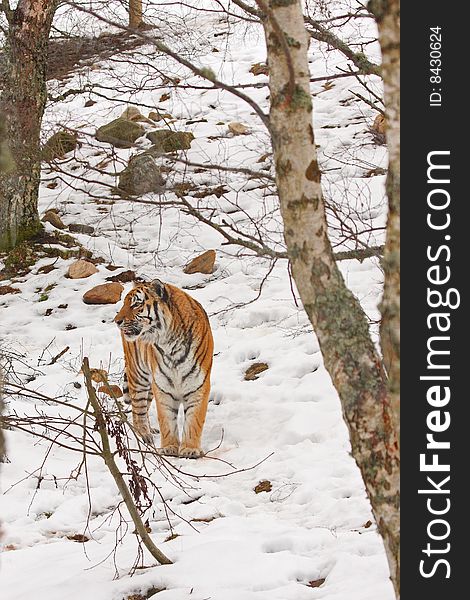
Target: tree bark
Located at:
point(336, 315)
point(23, 101)
point(387, 14)
point(135, 13)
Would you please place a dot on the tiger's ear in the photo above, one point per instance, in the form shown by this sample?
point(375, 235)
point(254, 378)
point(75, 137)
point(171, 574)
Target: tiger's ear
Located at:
point(160, 289)
point(139, 281)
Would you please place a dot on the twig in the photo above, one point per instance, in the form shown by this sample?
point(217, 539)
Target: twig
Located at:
point(369, 102)
point(359, 59)
point(360, 254)
point(61, 353)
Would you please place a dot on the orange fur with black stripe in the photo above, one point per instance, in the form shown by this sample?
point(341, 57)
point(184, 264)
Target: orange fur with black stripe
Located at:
point(168, 349)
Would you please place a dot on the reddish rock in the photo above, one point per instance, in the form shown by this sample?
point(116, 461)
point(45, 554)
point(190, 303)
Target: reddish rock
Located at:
point(107, 293)
point(238, 128)
point(53, 218)
point(379, 124)
point(254, 370)
point(203, 263)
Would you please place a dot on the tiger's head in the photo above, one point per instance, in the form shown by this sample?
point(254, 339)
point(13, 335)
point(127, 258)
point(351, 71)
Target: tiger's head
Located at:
point(144, 312)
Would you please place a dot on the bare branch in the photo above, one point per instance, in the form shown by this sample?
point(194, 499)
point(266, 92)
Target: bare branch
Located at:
point(359, 59)
point(320, 33)
point(108, 458)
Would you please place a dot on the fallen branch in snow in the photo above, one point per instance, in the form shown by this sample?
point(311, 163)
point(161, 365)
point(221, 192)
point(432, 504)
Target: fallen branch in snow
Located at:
point(77, 433)
point(108, 457)
point(100, 428)
point(57, 356)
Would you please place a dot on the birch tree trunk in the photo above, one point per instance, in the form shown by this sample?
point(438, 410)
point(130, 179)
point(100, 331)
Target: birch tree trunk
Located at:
point(387, 14)
point(22, 102)
point(337, 317)
point(135, 13)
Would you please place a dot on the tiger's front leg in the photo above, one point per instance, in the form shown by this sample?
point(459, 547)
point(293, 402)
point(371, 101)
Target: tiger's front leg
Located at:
point(140, 412)
point(167, 411)
point(138, 390)
point(195, 409)
point(127, 400)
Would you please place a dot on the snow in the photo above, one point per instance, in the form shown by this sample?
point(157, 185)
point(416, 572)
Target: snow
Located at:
point(285, 427)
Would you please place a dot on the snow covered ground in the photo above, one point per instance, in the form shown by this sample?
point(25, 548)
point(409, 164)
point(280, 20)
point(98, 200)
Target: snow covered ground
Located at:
point(227, 542)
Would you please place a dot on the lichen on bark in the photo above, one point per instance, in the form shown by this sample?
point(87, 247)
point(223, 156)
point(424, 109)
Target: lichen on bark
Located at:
point(23, 101)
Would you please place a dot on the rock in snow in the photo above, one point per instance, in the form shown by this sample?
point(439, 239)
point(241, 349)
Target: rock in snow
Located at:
point(79, 228)
point(58, 145)
point(204, 263)
point(121, 133)
point(53, 218)
point(141, 176)
point(81, 269)
point(167, 140)
point(238, 128)
point(106, 293)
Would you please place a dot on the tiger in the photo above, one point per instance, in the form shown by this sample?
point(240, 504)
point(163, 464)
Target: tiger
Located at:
point(168, 352)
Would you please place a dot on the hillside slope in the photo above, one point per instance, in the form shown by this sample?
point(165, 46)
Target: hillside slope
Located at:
point(227, 542)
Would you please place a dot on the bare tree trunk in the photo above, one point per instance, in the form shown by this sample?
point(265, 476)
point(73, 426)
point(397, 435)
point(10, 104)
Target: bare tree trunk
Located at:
point(23, 101)
point(135, 13)
point(337, 317)
point(387, 14)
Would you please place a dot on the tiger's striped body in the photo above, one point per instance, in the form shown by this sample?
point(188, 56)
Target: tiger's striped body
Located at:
point(168, 349)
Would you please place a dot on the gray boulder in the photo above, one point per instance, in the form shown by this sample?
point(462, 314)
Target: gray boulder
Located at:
point(58, 145)
point(121, 132)
point(141, 176)
point(166, 140)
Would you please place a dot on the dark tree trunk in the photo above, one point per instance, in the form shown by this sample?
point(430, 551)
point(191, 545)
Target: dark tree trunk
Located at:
point(23, 101)
point(135, 13)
